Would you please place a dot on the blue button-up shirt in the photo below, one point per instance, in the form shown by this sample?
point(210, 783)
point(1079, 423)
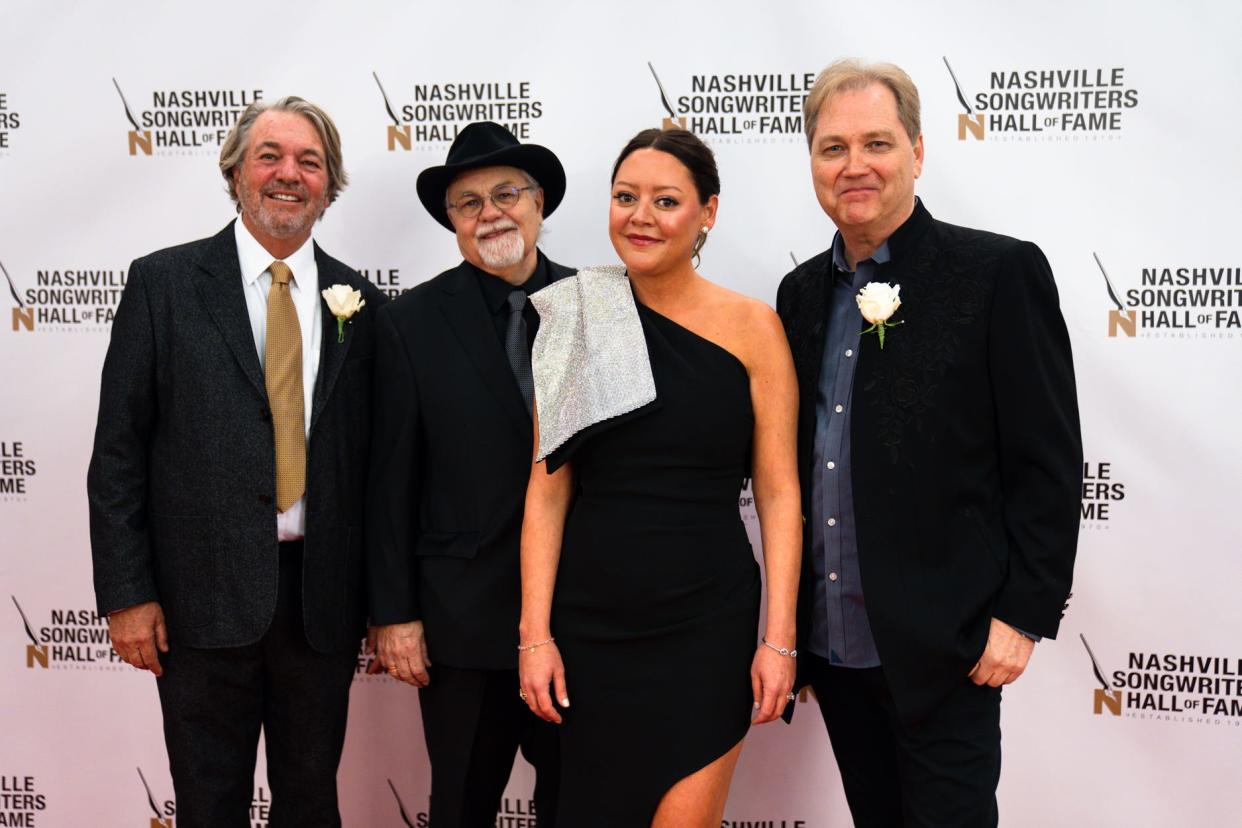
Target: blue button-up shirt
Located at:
point(840, 631)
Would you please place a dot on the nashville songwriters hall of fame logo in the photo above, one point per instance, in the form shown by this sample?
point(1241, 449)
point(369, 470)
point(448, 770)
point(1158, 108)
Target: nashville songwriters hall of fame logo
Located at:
point(1170, 687)
point(1177, 302)
point(440, 110)
point(73, 639)
point(741, 107)
point(68, 300)
point(1046, 104)
point(185, 121)
point(163, 813)
point(10, 121)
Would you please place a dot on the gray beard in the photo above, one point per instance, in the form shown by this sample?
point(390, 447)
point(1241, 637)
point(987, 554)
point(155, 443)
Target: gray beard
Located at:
point(503, 252)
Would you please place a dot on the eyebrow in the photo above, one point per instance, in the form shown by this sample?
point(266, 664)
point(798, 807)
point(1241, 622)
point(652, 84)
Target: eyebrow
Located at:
point(660, 187)
point(507, 182)
point(875, 133)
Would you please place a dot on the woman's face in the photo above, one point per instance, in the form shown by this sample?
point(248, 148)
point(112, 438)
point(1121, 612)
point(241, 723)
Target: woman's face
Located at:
point(656, 214)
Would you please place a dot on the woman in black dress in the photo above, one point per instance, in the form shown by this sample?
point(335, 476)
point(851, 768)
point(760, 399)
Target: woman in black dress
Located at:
point(657, 392)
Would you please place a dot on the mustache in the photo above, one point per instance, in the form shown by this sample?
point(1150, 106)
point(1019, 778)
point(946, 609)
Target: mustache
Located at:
point(495, 227)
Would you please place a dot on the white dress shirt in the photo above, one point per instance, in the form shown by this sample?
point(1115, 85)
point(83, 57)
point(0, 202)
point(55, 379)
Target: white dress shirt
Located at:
point(304, 290)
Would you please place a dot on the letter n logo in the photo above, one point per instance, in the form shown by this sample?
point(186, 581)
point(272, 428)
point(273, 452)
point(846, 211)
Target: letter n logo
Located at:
point(1124, 321)
point(36, 653)
point(23, 318)
point(974, 126)
point(156, 822)
point(1107, 698)
point(398, 135)
point(140, 141)
point(674, 123)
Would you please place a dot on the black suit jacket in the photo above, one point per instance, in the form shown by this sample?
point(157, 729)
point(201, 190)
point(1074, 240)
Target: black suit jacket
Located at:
point(965, 449)
point(182, 480)
point(453, 450)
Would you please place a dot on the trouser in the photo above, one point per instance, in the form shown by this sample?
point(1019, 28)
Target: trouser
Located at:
point(940, 772)
point(215, 702)
point(474, 723)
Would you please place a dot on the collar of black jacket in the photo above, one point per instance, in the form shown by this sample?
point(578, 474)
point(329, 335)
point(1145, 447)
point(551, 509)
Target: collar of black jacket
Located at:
point(496, 290)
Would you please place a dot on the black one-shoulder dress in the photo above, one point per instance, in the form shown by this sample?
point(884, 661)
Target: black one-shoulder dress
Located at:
point(656, 606)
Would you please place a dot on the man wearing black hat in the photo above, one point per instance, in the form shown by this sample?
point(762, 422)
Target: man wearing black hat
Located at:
point(453, 446)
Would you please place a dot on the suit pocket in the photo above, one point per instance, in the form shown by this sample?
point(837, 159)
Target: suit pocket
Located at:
point(186, 562)
point(447, 545)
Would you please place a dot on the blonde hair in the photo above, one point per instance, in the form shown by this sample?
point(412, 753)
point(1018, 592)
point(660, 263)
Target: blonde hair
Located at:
point(852, 74)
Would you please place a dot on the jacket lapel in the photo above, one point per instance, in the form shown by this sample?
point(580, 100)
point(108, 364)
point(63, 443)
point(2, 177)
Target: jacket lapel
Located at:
point(467, 318)
point(223, 294)
point(331, 353)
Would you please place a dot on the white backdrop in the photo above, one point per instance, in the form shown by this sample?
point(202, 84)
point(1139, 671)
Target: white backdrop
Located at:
point(1132, 172)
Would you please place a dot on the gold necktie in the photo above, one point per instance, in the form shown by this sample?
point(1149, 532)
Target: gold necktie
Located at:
point(282, 369)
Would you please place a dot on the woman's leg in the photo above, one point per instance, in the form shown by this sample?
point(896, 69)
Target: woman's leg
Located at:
point(698, 800)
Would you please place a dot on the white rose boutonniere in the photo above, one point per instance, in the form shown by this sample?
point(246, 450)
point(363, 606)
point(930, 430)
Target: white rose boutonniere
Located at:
point(877, 302)
point(343, 301)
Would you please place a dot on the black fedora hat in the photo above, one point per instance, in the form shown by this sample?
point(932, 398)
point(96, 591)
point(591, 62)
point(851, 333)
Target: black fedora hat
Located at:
point(486, 144)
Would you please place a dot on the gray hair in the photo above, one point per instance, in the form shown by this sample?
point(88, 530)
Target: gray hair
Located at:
point(233, 150)
point(852, 74)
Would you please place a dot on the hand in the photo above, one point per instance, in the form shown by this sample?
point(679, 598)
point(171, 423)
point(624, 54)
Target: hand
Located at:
point(375, 665)
point(403, 650)
point(771, 680)
point(137, 633)
point(539, 669)
point(1004, 658)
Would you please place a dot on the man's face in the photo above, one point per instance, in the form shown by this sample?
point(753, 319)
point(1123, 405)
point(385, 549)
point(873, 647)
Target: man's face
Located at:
point(496, 240)
point(282, 181)
point(863, 163)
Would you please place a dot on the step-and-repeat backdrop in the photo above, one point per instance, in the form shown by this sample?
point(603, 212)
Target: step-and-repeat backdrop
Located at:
point(1107, 133)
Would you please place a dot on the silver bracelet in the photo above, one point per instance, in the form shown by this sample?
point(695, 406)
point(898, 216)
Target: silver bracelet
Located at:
point(785, 651)
point(526, 648)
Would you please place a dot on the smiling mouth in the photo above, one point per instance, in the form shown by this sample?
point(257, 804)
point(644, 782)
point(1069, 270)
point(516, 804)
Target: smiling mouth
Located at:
point(642, 241)
point(287, 198)
point(496, 234)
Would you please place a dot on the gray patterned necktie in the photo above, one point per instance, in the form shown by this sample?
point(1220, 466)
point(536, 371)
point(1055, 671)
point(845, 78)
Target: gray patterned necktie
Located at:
point(517, 347)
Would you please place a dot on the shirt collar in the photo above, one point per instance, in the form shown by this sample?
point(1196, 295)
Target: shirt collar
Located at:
point(254, 260)
point(496, 290)
point(844, 274)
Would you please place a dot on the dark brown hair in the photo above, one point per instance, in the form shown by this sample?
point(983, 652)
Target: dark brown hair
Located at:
point(687, 148)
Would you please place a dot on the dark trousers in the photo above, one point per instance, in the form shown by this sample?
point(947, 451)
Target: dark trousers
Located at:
point(215, 702)
point(474, 723)
point(938, 773)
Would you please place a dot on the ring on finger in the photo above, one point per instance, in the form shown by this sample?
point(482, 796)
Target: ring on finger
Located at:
point(790, 696)
point(521, 694)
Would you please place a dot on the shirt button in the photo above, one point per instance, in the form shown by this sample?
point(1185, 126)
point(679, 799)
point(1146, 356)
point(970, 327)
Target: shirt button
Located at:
point(849, 352)
point(832, 576)
point(832, 521)
point(839, 408)
point(831, 465)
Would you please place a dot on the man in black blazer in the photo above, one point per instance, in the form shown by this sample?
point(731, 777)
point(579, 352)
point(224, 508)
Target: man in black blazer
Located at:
point(453, 450)
point(227, 481)
point(941, 465)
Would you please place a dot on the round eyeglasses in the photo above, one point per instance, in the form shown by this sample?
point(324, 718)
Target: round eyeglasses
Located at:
point(505, 197)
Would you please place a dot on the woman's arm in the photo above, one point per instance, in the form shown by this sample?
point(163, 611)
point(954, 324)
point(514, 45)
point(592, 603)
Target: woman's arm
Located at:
point(543, 526)
point(774, 397)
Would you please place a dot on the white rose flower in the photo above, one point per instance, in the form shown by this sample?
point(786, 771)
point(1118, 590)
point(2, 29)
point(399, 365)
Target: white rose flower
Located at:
point(343, 301)
point(878, 301)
